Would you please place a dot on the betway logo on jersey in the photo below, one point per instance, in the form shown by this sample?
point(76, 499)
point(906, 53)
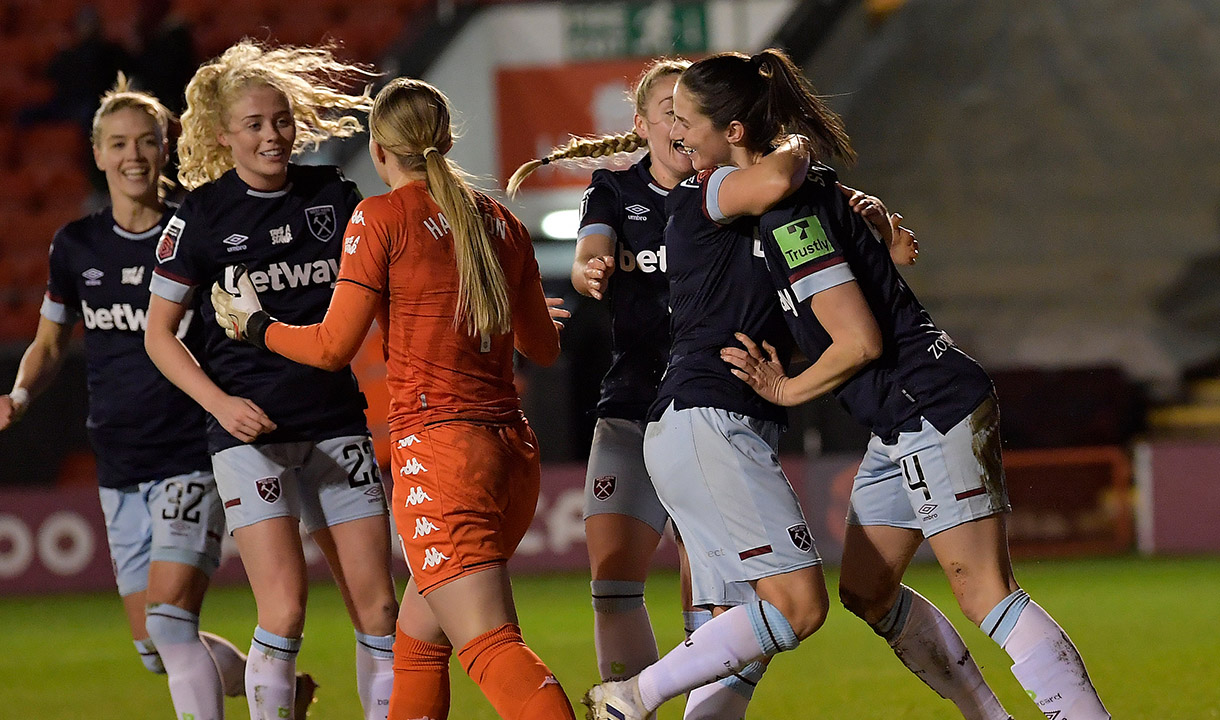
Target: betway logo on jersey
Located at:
point(122, 316)
point(283, 275)
point(646, 261)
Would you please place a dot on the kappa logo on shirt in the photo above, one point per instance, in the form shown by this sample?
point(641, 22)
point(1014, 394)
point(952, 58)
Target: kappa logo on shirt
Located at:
point(423, 526)
point(133, 275)
point(93, 277)
point(167, 246)
point(413, 467)
point(408, 441)
point(416, 496)
point(357, 218)
point(433, 557)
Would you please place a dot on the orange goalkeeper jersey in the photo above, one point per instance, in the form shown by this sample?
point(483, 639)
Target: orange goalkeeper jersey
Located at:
point(399, 246)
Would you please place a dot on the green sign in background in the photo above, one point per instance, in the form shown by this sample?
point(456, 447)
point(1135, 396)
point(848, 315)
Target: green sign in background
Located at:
point(636, 29)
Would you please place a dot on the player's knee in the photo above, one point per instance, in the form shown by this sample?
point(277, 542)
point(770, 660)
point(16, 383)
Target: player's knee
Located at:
point(868, 606)
point(377, 615)
point(806, 613)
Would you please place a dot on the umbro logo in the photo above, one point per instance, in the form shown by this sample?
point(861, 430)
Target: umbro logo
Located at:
point(93, 277)
point(236, 242)
point(636, 212)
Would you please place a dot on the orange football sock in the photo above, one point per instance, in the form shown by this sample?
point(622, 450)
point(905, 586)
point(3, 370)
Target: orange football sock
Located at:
point(421, 679)
point(518, 684)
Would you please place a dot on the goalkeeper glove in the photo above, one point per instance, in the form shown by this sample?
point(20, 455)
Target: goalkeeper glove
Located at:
point(238, 310)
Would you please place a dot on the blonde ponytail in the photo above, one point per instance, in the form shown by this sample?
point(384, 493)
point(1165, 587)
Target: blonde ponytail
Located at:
point(578, 147)
point(410, 121)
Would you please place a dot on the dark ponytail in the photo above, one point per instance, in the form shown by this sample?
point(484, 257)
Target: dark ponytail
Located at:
point(770, 97)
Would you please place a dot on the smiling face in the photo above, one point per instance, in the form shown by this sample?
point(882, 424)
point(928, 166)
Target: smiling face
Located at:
point(131, 153)
point(260, 132)
point(670, 164)
point(706, 146)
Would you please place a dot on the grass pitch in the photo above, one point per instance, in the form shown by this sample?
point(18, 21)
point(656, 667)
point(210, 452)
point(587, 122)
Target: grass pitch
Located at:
point(1149, 631)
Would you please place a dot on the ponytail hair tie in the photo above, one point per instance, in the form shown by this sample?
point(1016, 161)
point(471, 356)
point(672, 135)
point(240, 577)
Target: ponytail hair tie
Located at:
point(430, 149)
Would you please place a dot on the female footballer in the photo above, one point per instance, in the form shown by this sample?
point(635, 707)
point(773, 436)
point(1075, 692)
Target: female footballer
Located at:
point(289, 443)
point(451, 276)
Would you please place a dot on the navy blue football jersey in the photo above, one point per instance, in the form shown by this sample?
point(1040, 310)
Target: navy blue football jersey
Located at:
point(718, 285)
point(291, 241)
point(813, 241)
point(141, 427)
point(629, 207)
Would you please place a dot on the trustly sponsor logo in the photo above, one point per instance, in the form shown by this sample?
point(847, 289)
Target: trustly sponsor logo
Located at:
point(321, 221)
point(133, 275)
point(282, 275)
point(802, 240)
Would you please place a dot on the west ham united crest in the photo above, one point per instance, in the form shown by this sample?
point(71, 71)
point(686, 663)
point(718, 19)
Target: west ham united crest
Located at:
point(322, 222)
point(801, 537)
point(269, 489)
point(603, 487)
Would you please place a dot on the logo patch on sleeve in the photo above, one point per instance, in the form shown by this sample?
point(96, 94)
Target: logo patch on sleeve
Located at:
point(167, 247)
point(802, 240)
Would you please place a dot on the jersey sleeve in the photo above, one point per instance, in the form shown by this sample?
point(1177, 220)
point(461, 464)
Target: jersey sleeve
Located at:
point(534, 334)
point(367, 245)
point(61, 304)
point(812, 258)
point(711, 181)
point(599, 208)
point(179, 269)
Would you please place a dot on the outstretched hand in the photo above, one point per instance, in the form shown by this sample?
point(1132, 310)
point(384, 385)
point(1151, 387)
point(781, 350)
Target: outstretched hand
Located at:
point(765, 374)
point(238, 310)
point(554, 305)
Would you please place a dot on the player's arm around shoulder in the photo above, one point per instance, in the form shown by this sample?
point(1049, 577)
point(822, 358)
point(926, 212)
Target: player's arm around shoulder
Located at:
point(756, 189)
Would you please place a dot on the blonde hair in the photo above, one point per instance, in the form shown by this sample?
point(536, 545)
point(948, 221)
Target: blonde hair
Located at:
point(410, 121)
point(311, 79)
point(123, 97)
point(605, 145)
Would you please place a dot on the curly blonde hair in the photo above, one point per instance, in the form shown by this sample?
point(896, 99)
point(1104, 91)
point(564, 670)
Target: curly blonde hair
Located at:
point(311, 78)
point(122, 97)
point(606, 145)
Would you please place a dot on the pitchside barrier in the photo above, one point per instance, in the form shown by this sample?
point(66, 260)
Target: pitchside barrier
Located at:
point(1066, 502)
